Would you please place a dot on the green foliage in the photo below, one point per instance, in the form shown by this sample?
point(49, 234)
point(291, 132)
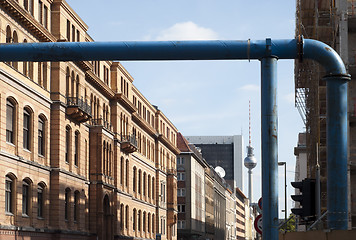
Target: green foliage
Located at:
point(289, 226)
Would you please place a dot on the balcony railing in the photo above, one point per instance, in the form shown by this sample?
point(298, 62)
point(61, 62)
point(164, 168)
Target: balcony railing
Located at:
point(172, 171)
point(101, 122)
point(128, 143)
point(78, 109)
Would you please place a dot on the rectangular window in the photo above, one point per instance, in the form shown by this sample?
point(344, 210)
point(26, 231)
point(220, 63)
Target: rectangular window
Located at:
point(78, 36)
point(8, 195)
point(25, 4)
point(180, 160)
point(25, 198)
point(68, 30)
point(30, 7)
point(40, 13)
point(181, 224)
point(181, 192)
point(41, 137)
point(73, 33)
point(181, 176)
point(181, 208)
point(45, 17)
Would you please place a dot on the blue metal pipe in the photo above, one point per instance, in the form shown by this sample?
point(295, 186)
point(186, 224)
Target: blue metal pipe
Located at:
point(164, 50)
point(269, 131)
point(216, 50)
point(336, 91)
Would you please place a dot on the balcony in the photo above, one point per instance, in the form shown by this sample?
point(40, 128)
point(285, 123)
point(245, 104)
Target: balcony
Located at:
point(78, 109)
point(101, 122)
point(128, 143)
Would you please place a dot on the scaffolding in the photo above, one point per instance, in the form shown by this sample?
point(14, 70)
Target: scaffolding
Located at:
point(315, 19)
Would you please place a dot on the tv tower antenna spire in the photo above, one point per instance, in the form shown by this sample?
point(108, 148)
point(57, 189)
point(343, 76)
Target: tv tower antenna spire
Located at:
point(250, 161)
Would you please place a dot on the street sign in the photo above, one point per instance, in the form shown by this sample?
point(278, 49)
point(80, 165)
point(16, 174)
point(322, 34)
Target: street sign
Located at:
point(260, 203)
point(258, 224)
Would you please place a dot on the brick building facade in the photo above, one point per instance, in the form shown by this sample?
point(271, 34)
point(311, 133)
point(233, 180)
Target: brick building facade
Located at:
point(83, 153)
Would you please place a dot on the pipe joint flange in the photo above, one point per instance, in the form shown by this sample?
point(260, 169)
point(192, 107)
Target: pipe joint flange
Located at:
point(300, 50)
point(342, 77)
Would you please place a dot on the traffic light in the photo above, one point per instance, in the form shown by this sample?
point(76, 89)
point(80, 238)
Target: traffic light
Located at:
point(306, 198)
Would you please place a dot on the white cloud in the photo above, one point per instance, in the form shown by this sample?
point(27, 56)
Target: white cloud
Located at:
point(289, 97)
point(250, 87)
point(186, 31)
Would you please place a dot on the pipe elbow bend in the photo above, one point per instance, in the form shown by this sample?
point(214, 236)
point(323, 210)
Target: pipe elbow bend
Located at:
point(326, 56)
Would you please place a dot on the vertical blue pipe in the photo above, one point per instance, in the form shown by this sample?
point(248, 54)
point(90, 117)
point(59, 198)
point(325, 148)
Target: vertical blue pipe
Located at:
point(269, 147)
point(336, 90)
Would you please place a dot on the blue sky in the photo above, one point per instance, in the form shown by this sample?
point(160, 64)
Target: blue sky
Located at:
point(207, 97)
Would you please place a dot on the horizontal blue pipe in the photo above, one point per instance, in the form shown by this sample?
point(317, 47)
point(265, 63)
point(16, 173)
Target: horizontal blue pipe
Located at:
point(160, 50)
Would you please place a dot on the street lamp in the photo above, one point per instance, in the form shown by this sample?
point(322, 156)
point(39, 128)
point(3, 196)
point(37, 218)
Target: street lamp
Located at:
point(285, 188)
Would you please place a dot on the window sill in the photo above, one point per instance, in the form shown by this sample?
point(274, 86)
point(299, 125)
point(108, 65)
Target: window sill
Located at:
point(40, 218)
point(25, 216)
point(41, 156)
point(27, 150)
point(9, 214)
point(11, 144)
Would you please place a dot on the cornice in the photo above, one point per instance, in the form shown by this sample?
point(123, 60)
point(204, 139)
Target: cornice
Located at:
point(126, 102)
point(25, 18)
point(143, 124)
point(168, 144)
point(103, 88)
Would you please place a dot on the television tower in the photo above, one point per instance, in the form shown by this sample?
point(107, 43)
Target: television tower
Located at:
point(250, 161)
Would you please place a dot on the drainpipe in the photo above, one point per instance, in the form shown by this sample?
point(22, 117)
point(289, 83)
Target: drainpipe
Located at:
point(268, 51)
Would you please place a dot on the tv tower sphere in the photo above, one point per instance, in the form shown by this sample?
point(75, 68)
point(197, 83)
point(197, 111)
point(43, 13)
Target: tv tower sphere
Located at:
point(250, 161)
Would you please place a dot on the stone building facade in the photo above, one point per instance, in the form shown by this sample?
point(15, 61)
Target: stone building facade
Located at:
point(83, 154)
point(207, 206)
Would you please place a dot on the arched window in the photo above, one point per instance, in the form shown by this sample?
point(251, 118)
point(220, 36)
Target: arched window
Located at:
point(76, 148)
point(15, 40)
point(8, 35)
point(139, 220)
point(127, 217)
point(41, 136)
point(10, 193)
point(27, 131)
point(76, 206)
point(149, 222)
point(10, 121)
point(40, 200)
point(67, 144)
point(127, 174)
point(68, 91)
point(153, 188)
point(25, 65)
point(134, 219)
point(149, 186)
point(122, 171)
point(104, 157)
point(44, 78)
point(153, 223)
point(77, 86)
point(66, 204)
point(139, 181)
point(144, 222)
point(122, 218)
point(144, 183)
point(134, 180)
point(72, 84)
point(26, 197)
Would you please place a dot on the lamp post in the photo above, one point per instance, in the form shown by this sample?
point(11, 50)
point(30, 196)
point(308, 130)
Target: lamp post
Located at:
point(285, 188)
